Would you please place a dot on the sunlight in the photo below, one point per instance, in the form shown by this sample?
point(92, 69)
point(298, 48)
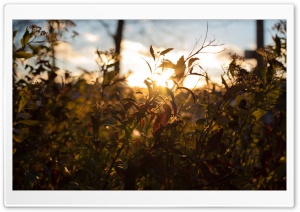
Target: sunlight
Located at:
point(194, 81)
point(163, 78)
point(134, 54)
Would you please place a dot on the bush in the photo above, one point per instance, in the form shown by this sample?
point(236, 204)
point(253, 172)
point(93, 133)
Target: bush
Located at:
point(108, 136)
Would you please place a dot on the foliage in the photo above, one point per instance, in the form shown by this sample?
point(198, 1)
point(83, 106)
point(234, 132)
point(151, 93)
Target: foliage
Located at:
point(106, 136)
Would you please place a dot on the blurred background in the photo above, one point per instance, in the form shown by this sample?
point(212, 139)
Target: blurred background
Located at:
point(132, 38)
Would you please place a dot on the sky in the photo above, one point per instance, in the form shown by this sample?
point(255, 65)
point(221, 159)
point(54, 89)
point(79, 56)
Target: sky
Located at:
point(182, 35)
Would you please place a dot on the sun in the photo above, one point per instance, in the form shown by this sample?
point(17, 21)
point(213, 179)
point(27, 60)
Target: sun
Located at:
point(163, 78)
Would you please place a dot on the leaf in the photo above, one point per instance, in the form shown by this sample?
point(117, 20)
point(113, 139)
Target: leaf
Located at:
point(156, 122)
point(280, 171)
point(29, 122)
point(150, 90)
point(191, 92)
point(109, 76)
point(259, 113)
point(14, 34)
point(206, 78)
point(170, 93)
point(165, 116)
point(128, 105)
point(277, 45)
point(214, 141)
point(118, 119)
point(152, 53)
point(191, 61)
point(167, 108)
point(167, 64)
point(26, 37)
point(148, 65)
point(95, 125)
point(23, 115)
point(174, 107)
point(166, 51)
point(25, 55)
point(224, 83)
point(222, 120)
point(180, 67)
point(270, 74)
point(232, 67)
point(18, 138)
point(22, 103)
point(234, 90)
point(129, 100)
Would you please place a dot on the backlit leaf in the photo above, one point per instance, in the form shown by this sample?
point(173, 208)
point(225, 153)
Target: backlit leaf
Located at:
point(152, 52)
point(166, 51)
point(165, 116)
point(167, 64)
point(191, 61)
point(148, 65)
point(180, 67)
point(170, 93)
point(206, 78)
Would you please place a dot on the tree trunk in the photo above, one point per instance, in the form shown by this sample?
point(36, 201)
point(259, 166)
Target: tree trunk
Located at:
point(118, 38)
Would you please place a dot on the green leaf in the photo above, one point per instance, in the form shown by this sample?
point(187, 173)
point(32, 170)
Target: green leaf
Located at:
point(29, 122)
point(166, 51)
point(259, 113)
point(22, 103)
point(148, 65)
point(152, 52)
point(26, 37)
point(25, 55)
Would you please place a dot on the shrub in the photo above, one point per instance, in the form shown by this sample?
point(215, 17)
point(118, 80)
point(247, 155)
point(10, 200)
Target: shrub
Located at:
point(106, 135)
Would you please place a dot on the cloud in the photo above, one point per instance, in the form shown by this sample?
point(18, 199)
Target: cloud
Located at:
point(134, 55)
point(70, 58)
point(90, 37)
